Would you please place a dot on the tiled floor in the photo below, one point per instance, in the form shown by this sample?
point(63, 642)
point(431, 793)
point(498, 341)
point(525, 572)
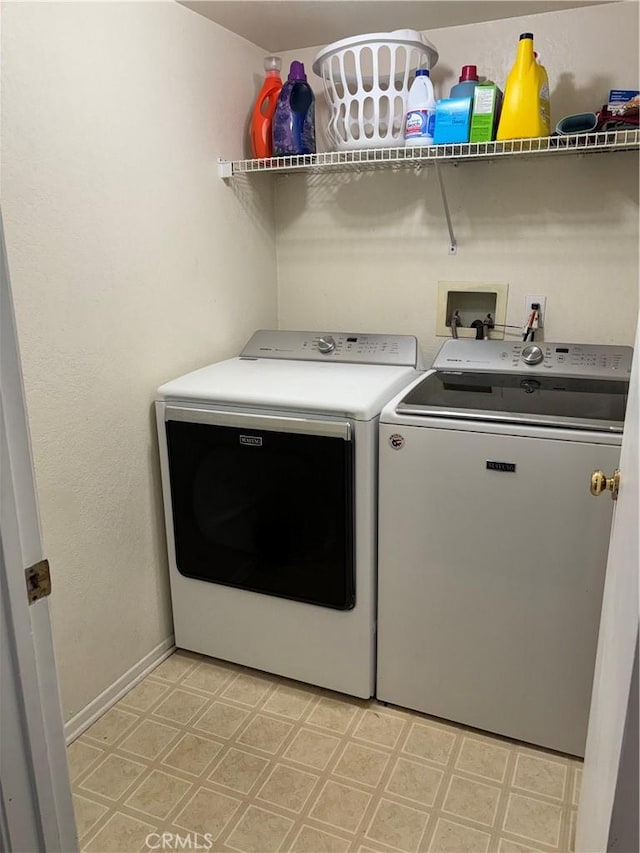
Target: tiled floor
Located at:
point(258, 764)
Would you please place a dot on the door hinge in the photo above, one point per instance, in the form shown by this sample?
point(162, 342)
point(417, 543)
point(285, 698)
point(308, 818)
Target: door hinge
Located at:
point(38, 581)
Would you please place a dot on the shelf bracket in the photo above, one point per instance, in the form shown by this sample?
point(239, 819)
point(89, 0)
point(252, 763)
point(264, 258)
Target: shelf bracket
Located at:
point(453, 246)
point(225, 169)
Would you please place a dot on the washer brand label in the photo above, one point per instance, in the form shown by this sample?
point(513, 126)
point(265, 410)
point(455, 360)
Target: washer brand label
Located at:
point(509, 467)
point(396, 441)
point(254, 440)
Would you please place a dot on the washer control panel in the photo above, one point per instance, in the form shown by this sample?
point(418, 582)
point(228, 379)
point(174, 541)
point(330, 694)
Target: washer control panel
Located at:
point(348, 347)
point(596, 360)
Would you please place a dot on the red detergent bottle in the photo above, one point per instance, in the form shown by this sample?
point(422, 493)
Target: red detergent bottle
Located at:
point(265, 107)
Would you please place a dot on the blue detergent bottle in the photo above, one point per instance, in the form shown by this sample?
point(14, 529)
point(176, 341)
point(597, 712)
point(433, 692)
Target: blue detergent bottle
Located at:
point(294, 129)
point(467, 82)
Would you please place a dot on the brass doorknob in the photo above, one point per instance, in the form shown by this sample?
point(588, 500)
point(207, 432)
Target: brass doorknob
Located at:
point(601, 483)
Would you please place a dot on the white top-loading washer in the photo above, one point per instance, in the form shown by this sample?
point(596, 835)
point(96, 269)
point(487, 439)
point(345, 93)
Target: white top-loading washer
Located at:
point(269, 470)
point(492, 552)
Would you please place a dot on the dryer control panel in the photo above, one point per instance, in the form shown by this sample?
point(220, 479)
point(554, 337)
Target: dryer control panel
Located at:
point(351, 347)
point(595, 360)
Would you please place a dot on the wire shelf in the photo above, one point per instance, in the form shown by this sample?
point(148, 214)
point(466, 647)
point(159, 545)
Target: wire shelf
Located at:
point(382, 158)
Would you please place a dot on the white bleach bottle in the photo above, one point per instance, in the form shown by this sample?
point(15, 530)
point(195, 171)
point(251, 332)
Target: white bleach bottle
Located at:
point(420, 115)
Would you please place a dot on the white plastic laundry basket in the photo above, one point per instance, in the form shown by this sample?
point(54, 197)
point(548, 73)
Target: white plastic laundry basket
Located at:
point(366, 80)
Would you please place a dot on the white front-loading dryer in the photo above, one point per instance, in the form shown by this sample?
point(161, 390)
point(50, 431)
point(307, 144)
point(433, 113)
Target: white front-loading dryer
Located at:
point(492, 551)
point(269, 471)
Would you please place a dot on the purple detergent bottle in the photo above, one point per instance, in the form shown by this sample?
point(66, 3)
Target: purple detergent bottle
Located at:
point(294, 129)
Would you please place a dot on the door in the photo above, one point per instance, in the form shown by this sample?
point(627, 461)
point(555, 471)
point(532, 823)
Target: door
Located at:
point(36, 811)
point(612, 720)
point(263, 503)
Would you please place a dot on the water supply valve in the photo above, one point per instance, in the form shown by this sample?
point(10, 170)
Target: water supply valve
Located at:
point(455, 322)
point(487, 324)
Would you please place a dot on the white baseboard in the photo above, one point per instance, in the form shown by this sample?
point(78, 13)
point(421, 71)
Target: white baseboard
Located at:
point(81, 721)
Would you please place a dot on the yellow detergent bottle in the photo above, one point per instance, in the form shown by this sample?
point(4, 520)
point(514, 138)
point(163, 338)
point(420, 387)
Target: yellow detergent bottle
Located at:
point(525, 106)
point(545, 105)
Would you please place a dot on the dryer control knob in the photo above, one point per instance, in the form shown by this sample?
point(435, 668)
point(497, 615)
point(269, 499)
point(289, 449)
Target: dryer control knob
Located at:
point(326, 344)
point(532, 355)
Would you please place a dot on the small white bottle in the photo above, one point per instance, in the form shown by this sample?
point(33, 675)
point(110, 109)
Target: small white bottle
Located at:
point(420, 115)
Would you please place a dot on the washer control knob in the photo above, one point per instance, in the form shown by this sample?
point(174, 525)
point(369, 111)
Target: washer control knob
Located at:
point(326, 344)
point(532, 355)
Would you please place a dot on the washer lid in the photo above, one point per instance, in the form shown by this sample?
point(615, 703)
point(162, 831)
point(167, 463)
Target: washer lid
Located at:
point(358, 391)
point(579, 403)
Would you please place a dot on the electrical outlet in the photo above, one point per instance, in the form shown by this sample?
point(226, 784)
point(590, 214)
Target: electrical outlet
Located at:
point(529, 302)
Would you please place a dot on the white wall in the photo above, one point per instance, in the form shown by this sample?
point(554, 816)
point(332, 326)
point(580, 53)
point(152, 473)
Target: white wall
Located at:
point(366, 252)
point(131, 263)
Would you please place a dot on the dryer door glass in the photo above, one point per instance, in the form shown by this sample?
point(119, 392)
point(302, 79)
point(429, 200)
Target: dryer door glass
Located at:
point(264, 510)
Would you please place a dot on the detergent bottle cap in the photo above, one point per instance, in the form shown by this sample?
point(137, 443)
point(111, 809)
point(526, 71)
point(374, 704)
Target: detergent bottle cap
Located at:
point(272, 63)
point(422, 72)
point(526, 36)
point(469, 72)
point(296, 71)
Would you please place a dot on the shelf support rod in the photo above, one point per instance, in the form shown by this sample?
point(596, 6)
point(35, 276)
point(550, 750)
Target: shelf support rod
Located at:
point(453, 246)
